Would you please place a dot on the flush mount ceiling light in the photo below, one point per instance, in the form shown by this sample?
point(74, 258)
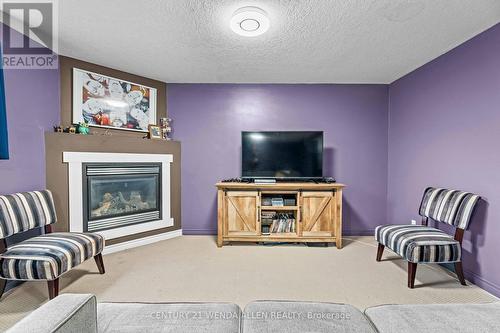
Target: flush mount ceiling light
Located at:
point(249, 21)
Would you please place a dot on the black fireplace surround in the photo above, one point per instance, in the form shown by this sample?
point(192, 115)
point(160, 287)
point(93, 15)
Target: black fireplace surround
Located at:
point(120, 194)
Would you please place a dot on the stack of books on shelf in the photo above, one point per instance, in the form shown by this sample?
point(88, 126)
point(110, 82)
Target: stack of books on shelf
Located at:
point(266, 221)
point(266, 201)
point(277, 202)
point(283, 222)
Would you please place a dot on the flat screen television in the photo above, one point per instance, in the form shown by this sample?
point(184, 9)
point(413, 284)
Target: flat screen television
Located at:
point(282, 155)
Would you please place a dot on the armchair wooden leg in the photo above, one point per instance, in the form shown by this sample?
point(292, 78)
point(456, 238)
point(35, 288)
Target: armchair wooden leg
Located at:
point(460, 272)
point(3, 283)
point(53, 288)
point(380, 251)
point(100, 263)
point(412, 271)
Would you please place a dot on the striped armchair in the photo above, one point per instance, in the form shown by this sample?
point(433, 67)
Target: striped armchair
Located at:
point(45, 257)
point(424, 244)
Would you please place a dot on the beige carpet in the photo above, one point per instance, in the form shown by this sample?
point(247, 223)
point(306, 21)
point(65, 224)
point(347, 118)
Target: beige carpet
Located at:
point(192, 268)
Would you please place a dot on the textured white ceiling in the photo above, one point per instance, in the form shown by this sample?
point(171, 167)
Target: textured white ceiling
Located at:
point(309, 41)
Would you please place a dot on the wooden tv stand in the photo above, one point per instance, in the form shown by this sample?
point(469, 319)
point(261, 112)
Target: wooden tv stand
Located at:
point(317, 212)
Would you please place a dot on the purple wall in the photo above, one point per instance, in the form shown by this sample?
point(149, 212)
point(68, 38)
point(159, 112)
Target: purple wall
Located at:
point(444, 130)
point(208, 120)
point(32, 103)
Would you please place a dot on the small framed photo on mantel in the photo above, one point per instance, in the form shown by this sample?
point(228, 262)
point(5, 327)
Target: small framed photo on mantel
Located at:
point(155, 132)
point(104, 101)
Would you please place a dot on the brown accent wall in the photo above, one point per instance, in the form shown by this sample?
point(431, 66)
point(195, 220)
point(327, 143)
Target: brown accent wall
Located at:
point(66, 66)
point(105, 140)
point(57, 171)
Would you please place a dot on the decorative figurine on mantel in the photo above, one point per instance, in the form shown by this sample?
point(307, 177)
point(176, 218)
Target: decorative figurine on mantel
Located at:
point(70, 129)
point(83, 128)
point(166, 128)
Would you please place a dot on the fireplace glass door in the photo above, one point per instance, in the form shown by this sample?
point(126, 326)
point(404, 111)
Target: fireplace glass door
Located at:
point(121, 195)
point(118, 195)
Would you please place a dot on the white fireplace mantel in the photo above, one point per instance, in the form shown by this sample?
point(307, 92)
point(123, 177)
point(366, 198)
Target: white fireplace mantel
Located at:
point(75, 183)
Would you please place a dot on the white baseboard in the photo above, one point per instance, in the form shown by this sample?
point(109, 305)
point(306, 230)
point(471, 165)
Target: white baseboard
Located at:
point(141, 241)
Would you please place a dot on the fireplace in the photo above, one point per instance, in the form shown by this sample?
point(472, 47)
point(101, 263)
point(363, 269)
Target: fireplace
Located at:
point(120, 194)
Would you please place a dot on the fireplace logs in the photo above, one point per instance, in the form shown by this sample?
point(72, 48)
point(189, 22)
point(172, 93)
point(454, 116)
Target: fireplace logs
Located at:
point(112, 204)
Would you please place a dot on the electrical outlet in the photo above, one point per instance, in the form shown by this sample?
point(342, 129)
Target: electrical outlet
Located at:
point(414, 222)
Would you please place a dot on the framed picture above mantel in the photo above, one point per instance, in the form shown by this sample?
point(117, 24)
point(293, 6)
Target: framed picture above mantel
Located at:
point(109, 102)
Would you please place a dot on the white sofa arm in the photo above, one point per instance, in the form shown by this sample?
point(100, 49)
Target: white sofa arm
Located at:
point(65, 313)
